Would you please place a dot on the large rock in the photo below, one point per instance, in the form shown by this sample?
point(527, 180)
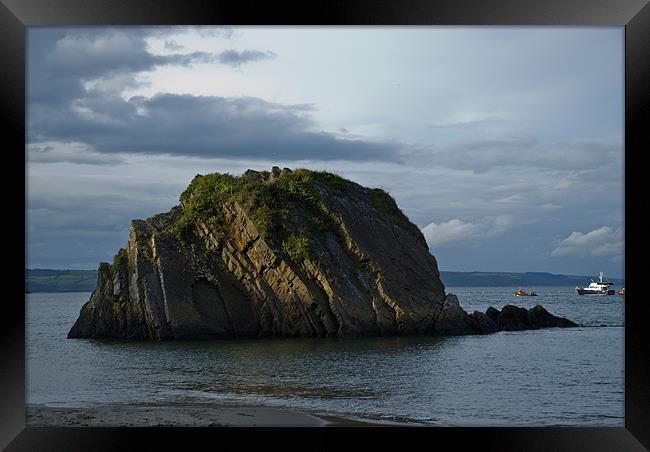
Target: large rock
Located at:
point(276, 253)
point(514, 318)
point(483, 324)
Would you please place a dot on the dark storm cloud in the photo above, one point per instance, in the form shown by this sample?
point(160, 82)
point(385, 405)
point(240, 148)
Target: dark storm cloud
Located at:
point(60, 61)
point(199, 126)
point(63, 107)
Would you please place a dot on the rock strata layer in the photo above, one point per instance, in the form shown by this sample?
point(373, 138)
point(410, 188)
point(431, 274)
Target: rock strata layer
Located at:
point(281, 254)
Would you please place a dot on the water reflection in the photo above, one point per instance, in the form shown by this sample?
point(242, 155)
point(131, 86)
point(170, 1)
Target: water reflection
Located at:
point(291, 368)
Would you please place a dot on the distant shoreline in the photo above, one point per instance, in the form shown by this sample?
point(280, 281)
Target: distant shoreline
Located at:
point(62, 281)
point(513, 279)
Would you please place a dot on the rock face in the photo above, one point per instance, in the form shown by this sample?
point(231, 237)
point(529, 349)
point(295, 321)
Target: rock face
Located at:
point(514, 318)
point(281, 253)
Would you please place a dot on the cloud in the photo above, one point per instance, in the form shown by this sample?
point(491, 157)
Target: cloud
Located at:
point(484, 155)
point(236, 59)
point(468, 120)
point(601, 242)
point(498, 131)
point(198, 126)
point(74, 95)
point(208, 31)
point(61, 61)
point(84, 216)
point(456, 231)
point(72, 152)
point(528, 154)
point(170, 44)
point(453, 231)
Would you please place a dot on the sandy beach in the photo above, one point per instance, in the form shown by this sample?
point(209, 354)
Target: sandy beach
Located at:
point(185, 416)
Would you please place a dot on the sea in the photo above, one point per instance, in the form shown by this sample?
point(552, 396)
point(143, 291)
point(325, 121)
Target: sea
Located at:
point(547, 377)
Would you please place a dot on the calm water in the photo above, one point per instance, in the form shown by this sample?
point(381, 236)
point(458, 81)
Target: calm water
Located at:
point(544, 377)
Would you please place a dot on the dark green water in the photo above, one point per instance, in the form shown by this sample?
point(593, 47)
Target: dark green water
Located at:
point(554, 376)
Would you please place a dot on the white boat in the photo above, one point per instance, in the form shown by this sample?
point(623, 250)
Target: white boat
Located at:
point(597, 288)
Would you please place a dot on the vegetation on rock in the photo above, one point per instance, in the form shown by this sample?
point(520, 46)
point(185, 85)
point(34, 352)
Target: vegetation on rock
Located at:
point(297, 246)
point(119, 259)
point(287, 208)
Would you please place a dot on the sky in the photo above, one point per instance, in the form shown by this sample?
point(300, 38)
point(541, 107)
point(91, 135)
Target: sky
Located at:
point(505, 145)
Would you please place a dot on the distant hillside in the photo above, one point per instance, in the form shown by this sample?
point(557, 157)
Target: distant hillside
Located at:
point(528, 279)
point(44, 280)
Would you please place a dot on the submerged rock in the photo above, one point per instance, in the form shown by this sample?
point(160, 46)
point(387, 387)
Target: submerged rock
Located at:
point(280, 253)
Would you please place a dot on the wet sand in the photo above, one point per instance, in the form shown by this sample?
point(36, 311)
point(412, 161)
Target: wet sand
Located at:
point(203, 415)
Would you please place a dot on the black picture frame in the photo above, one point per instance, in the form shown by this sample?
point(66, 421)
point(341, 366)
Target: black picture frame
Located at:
point(16, 15)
